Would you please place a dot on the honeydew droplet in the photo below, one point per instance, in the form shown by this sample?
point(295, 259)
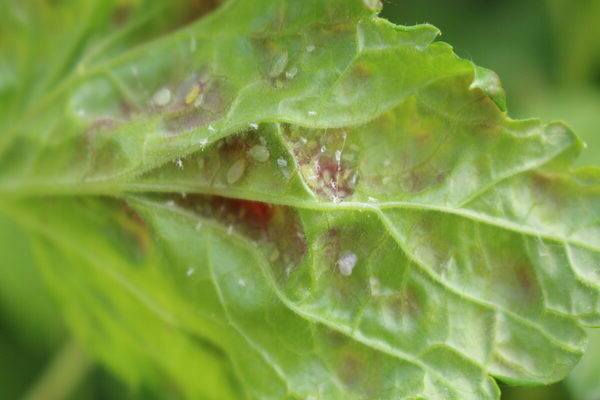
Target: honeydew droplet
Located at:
point(347, 262)
point(236, 171)
point(279, 65)
point(291, 73)
point(192, 94)
point(162, 97)
point(259, 153)
point(310, 48)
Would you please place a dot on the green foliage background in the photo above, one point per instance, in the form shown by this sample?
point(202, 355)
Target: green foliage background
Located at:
point(548, 56)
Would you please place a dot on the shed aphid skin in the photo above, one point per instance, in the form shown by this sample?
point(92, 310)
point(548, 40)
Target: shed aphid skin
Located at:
point(179, 163)
point(323, 149)
point(192, 95)
point(310, 48)
point(253, 126)
point(241, 282)
point(190, 271)
point(291, 73)
point(312, 113)
point(162, 97)
point(259, 153)
point(372, 199)
point(279, 65)
point(203, 142)
point(211, 129)
point(347, 262)
point(282, 162)
point(236, 171)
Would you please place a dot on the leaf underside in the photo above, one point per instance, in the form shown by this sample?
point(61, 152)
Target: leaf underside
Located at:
point(292, 199)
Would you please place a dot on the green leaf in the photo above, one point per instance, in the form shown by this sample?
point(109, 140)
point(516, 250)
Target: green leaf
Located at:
point(299, 200)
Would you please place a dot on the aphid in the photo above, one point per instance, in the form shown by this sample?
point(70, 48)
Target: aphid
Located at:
point(259, 153)
point(162, 97)
point(198, 100)
point(170, 203)
point(347, 262)
point(279, 65)
point(274, 255)
point(192, 94)
point(236, 171)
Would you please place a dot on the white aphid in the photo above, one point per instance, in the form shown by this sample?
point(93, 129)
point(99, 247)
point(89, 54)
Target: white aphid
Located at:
point(162, 97)
point(236, 171)
point(259, 153)
point(347, 262)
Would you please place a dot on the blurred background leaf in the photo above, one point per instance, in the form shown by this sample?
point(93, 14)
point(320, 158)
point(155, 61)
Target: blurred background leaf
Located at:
point(547, 53)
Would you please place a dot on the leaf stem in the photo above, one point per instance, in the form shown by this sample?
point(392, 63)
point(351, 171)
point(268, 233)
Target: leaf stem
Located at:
point(63, 375)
